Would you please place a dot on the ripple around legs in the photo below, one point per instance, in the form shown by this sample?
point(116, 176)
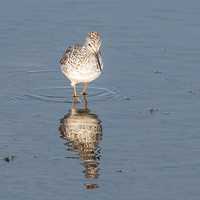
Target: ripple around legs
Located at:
point(64, 94)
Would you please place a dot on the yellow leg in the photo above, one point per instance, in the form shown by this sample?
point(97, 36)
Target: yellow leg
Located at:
point(74, 91)
point(85, 103)
point(85, 88)
point(74, 108)
point(74, 94)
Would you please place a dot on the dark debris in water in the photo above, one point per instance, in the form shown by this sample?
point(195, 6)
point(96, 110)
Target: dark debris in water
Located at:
point(157, 72)
point(119, 171)
point(153, 110)
point(194, 92)
point(91, 186)
point(191, 92)
point(8, 158)
point(127, 98)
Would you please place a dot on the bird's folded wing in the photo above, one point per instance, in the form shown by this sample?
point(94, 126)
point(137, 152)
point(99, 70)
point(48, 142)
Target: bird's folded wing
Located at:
point(73, 55)
point(66, 55)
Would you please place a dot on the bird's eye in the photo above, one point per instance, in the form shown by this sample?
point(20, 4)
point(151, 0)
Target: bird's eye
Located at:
point(89, 44)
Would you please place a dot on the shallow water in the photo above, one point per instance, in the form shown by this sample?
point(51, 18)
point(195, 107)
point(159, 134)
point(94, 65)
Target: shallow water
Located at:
point(146, 101)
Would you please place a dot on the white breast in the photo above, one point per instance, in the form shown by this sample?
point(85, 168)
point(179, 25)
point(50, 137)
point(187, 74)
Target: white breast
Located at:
point(84, 73)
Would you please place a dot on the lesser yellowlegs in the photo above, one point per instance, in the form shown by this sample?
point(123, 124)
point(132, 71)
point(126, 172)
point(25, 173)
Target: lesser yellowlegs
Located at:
point(83, 63)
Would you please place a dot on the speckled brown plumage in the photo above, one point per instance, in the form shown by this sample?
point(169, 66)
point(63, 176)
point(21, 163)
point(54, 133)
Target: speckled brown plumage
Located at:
point(83, 63)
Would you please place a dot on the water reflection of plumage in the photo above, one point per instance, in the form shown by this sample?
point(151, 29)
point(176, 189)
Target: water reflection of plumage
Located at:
point(83, 132)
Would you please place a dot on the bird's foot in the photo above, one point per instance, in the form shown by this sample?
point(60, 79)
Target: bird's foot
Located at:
point(84, 93)
point(76, 98)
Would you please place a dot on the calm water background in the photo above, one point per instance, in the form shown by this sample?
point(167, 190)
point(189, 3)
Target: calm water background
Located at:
point(151, 144)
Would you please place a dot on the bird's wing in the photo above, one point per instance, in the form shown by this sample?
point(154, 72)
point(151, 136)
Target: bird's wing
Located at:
point(73, 55)
point(66, 55)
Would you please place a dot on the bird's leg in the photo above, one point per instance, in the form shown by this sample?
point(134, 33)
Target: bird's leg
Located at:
point(73, 107)
point(85, 88)
point(74, 94)
point(85, 103)
point(74, 91)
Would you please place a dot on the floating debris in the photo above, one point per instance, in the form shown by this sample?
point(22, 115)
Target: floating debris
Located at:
point(8, 158)
point(191, 92)
point(119, 171)
point(127, 98)
point(91, 186)
point(157, 72)
point(153, 110)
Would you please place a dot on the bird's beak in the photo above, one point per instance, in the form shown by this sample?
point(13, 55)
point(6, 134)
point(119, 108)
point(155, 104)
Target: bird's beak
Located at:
point(98, 62)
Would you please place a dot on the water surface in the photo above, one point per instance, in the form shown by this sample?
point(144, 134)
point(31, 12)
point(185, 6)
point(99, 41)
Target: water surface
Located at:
point(146, 101)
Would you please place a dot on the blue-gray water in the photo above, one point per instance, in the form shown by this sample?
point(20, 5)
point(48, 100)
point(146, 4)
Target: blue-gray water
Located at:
point(148, 100)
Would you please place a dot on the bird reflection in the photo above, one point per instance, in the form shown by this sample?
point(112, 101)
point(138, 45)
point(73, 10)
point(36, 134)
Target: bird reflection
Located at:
point(82, 130)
